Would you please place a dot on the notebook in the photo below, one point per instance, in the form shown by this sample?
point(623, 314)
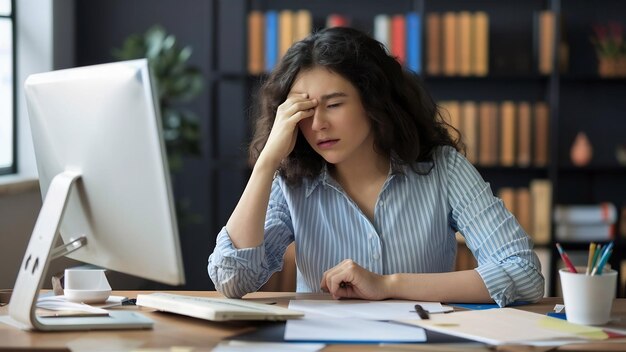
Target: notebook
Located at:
point(215, 309)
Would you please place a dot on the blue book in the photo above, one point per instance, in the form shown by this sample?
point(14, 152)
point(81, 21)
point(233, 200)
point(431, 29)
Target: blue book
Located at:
point(271, 40)
point(413, 42)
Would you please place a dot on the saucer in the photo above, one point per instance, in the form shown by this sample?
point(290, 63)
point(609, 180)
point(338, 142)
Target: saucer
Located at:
point(87, 296)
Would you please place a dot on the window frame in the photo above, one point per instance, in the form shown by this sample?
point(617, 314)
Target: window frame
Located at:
point(12, 169)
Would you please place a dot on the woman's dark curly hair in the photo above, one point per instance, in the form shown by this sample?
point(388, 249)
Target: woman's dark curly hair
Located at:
point(405, 120)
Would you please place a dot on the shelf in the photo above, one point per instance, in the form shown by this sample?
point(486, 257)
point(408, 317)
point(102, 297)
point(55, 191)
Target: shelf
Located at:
point(612, 169)
point(591, 79)
point(488, 78)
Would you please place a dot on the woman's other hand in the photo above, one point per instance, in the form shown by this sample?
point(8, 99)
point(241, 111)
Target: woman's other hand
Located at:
point(282, 138)
point(350, 280)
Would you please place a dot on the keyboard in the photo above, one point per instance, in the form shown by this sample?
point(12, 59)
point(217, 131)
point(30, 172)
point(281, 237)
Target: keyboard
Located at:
point(215, 309)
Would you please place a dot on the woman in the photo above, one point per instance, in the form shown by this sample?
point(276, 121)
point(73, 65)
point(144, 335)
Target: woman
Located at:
point(353, 162)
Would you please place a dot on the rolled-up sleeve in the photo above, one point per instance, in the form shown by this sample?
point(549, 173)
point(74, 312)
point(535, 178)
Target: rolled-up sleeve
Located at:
point(504, 251)
point(236, 272)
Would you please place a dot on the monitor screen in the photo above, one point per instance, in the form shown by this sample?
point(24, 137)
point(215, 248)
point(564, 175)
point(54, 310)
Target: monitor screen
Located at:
point(102, 124)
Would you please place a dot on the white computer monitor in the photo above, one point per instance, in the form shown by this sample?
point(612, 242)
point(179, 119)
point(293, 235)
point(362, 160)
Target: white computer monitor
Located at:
point(105, 184)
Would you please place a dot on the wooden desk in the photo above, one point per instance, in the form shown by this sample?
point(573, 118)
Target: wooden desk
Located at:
point(175, 330)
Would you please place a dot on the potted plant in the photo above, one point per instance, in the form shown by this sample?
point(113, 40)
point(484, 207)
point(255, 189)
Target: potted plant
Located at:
point(609, 45)
point(177, 82)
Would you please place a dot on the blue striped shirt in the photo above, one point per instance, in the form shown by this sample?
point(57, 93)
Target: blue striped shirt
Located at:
point(415, 219)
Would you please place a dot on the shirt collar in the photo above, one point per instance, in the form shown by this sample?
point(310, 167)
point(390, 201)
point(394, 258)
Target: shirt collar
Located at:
point(325, 179)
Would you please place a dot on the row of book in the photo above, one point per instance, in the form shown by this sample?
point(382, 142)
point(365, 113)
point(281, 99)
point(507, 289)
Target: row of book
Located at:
point(585, 223)
point(531, 207)
point(270, 34)
point(501, 134)
point(457, 43)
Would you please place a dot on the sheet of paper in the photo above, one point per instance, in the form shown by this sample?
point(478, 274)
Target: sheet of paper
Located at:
point(351, 330)
point(509, 325)
point(245, 346)
point(372, 310)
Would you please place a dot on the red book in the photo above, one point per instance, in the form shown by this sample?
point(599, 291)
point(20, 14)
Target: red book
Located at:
point(337, 20)
point(398, 38)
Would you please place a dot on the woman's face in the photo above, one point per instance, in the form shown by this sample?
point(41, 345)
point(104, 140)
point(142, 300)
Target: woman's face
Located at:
point(340, 130)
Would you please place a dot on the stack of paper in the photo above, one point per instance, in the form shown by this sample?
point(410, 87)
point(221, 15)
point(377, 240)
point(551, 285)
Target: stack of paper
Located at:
point(357, 321)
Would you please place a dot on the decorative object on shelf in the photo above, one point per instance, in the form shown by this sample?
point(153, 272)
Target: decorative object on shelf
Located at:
point(177, 81)
point(609, 44)
point(620, 154)
point(581, 151)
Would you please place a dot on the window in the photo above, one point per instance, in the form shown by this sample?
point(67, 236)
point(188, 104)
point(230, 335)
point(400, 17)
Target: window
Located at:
point(7, 87)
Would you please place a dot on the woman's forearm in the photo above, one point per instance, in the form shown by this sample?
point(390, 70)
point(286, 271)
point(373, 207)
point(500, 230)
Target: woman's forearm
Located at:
point(458, 286)
point(246, 224)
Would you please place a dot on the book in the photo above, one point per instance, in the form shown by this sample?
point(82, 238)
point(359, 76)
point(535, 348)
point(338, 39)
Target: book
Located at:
point(337, 20)
point(382, 30)
point(488, 131)
point(256, 42)
point(398, 38)
point(507, 133)
point(523, 208)
point(524, 125)
point(464, 43)
point(414, 42)
point(303, 24)
point(603, 213)
point(546, 40)
point(541, 198)
point(542, 133)
point(285, 31)
point(449, 54)
point(215, 309)
point(585, 233)
point(469, 119)
point(271, 40)
point(507, 194)
point(481, 43)
point(433, 42)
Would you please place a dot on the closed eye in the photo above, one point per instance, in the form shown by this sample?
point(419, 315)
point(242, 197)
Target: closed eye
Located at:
point(330, 106)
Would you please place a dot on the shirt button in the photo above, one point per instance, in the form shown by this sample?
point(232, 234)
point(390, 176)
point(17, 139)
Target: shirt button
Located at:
point(370, 235)
point(381, 203)
point(376, 256)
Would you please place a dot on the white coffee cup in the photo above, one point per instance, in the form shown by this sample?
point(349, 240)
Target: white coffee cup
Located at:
point(588, 299)
point(86, 285)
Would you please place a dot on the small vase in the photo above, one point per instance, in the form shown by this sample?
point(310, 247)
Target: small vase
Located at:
point(581, 151)
point(607, 66)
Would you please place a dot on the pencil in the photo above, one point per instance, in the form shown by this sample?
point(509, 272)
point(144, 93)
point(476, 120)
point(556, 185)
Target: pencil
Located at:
point(565, 258)
point(592, 250)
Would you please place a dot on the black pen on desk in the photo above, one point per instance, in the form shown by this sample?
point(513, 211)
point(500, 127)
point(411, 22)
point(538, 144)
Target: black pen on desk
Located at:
point(423, 313)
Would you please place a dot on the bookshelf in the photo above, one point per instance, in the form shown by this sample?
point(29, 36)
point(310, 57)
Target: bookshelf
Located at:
point(514, 75)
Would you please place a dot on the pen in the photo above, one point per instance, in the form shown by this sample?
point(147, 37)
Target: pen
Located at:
point(592, 251)
point(603, 259)
point(423, 314)
point(565, 258)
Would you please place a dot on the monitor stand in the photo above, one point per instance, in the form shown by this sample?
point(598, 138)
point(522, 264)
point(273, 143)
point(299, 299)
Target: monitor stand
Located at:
point(39, 253)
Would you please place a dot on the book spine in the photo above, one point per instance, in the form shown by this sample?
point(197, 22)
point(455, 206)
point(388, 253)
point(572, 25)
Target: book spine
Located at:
point(584, 233)
point(481, 43)
point(542, 133)
point(398, 38)
point(271, 40)
point(433, 41)
point(464, 39)
point(541, 193)
point(524, 121)
point(413, 42)
point(256, 42)
point(285, 32)
point(469, 119)
point(604, 213)
point(303, 25)
point(449, 44)
point(382, 30)
point(507, 133)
